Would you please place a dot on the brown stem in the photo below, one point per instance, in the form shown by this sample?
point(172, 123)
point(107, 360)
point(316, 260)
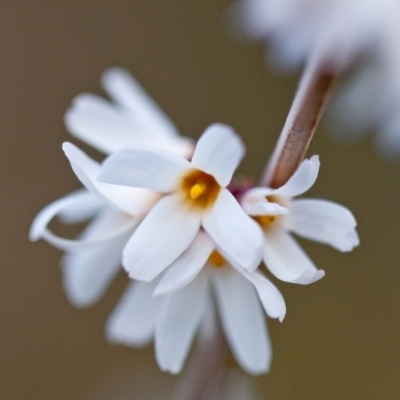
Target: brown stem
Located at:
point(303, 118)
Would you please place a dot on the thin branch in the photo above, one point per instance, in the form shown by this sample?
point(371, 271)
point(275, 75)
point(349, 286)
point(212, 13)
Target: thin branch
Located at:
point(305, 113)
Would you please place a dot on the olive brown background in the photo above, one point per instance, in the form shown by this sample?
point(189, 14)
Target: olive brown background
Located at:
point(340, 338)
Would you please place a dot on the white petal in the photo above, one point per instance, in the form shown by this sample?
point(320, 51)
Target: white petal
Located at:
point(74, 200)
point(219, 152)
point(146, 168)
point(82, 211)
point(323, 221)
point(271, 298)
point(165, 233)
point(126, 90)
point(304, 177)
point(234, 231)
point(132, 201)
point(254, 196)
point(267, 208)
point(88, 273)
point(243, 321)
point(186, 267)
point(287, 260)
point(98, 123)
point(133, 320)
point(179, 318)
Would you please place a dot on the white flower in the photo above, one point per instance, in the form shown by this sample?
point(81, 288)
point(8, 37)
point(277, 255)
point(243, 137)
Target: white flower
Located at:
point(182, 298)
point(195, 196)
point(114, 212)
point(361, 32)
point(319, 220)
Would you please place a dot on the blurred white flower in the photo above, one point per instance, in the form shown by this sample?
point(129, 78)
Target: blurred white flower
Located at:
point(182, 297)
point(195, 196)
point(320, 220)
point(362, 33)
point(133, 120)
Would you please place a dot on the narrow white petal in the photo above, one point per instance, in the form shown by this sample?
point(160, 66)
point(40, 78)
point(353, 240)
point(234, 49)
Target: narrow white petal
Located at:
point(74, 200)
point(88, 273)
point(234, 231)
point(267, 208)
point(271, 298)
point(219, 152)
point(165, 233)
point(186, 267)
point(145, 168)
point(100, 124)
point(323, 221)
point(304, 177)
point(82, 211)
point(254, 196)
point(133, 201)
point(133, 320)
point(243, 321)
point(287, 260)
point(126, 90)
point(179, 318)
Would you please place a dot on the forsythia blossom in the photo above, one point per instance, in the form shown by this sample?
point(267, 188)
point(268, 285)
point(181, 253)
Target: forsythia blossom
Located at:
point(189, 238)
point(363, 33)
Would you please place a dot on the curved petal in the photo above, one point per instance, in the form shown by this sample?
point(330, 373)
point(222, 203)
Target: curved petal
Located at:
point(254, 196)
point(243, 321)
point(88, 273)
point(133, 320)
point(219, 152)
point(179, 318)
point(239, 236)
point(165, 233)
point(304, 177)
point(323, 221)
point(82, 211)
point(76, 200)
point(133, 201)
point(146, 168)
point(186, 267)
point(271, 298)
point(126, 90)
point(267, 208)
point(287, 260)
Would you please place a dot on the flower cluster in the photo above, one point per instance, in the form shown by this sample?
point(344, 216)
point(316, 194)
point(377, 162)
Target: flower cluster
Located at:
point(347, 32)
point(190, 238)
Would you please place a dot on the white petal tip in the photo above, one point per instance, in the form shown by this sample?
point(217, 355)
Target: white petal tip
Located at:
point(309, 276)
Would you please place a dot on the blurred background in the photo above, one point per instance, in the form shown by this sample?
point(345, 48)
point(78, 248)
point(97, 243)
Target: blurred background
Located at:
point(340, 338)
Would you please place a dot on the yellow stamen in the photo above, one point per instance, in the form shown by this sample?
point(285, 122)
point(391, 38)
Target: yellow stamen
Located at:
point(216, 259)
point(197, 190)
point(200, 189)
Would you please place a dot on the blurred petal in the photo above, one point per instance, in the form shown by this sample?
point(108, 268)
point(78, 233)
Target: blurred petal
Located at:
point(88, 205)
point(133, 320)
point(88, 273)
point(219, 152)
point(133, 201)
point(243, 321)
point(287, 260)
point(186, 267)
point(267, 208)
point(304, 177)
point(126, 90)
point(179, 318)
point(234, 231)
point(75, 200)
point(146, 168)
point(165, 233)
point(323, 221)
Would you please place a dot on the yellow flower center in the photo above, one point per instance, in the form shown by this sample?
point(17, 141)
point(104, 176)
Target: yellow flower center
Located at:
point(216, 259)
point(200, 189)
point(265, 220)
